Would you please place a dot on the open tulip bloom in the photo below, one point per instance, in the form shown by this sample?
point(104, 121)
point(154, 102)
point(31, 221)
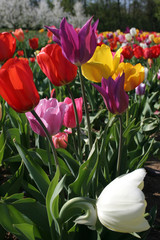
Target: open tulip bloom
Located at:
point(114, 96)
point(79, 47)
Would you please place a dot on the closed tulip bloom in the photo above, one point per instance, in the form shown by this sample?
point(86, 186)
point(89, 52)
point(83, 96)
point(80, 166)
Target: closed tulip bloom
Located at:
point(19, 34)
point(60, 140)
point(140, 89)
point(121, 205)
point(134, 75)
point(7, 46)
point(33, 43)
point(77, 47)
point(102, 64)
point(17, 85)
point(133, 31)
point(55, 66)
point(51, 113)
point(158, 74)
point(69, 116)
point(114, 96)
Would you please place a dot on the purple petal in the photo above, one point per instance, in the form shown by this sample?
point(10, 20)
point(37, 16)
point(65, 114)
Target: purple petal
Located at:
point(56, 35)
point(121, 97)
point(69, 41)
point(87, 41)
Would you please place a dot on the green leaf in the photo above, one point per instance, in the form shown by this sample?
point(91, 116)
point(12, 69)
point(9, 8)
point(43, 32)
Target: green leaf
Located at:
point(13, 134)
point(81, 185)
point(52, 204)
point(2, 146)
point(28, 230)
point(38, 174)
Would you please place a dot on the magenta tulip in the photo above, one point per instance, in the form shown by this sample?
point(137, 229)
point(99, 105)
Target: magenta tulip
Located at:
point(51, 113)
point(77, 47)
point(114, 96)
point(69, 120)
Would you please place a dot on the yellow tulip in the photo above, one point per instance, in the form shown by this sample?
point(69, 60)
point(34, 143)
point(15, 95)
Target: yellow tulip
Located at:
point(102, 64)
point(134, 75)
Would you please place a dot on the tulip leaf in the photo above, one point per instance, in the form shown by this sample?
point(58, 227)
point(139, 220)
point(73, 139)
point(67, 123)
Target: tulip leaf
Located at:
point(38, 174)
point(52, 204)
point(86, 171)
point(13, 134)
point(2, 146)
point(36, 212)
point(29, 231)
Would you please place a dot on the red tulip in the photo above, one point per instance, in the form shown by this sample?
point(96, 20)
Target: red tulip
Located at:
point(138, 52)
point(55, 66)
point(17, 85)
point(33, 43)
point(7, 46)
point(127, 52)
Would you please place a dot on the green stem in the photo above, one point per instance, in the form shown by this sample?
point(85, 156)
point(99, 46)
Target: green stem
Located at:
point(77, 120)
point(86, 108)
point(127, 117)
point(120, 146)
point(48, 136)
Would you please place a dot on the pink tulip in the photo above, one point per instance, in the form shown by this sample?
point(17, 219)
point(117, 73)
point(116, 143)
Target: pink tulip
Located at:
point(60, 140)
point(51, 113)
point(69, 116)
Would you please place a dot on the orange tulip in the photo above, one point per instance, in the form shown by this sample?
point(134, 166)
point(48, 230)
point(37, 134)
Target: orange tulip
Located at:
point(55, 66)
point(17, 85)
point(7, 46)
point(19, 34)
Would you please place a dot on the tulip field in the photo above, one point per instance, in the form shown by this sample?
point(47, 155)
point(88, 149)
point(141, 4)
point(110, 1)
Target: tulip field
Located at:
point(79, 119)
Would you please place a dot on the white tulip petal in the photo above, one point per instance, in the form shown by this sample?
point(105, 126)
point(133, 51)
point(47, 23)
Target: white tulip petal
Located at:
point(121, 205)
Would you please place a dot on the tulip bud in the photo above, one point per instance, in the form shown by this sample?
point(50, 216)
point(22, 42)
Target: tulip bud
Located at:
point(60, 140)
point(140, 89)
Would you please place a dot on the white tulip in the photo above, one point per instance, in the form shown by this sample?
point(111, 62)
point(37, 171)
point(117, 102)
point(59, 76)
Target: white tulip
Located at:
point(133, 31)
point(121, 205)
point(128, 37)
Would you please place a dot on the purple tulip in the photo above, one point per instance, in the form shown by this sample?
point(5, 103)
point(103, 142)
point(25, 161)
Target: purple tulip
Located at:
point(140, 89)
point(114, 96)
point(51, 113)
point(77, 47)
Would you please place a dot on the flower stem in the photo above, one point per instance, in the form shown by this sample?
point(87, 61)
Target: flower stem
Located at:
point(51, 144)
point(77, 120)
point(120, 146)
point(85, 107)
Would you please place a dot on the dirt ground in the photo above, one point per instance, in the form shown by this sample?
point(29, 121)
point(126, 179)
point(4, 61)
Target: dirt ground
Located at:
point(152, 194)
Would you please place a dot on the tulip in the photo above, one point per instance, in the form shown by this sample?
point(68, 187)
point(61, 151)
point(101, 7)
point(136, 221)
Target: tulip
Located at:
point(133, 31)
point(134, 75)
point(138, 52)
point(33, 43)
point(60, 140)
point(158, 74)
point(7, 46)
point(69, 120)
point(20, 53)
point(140, 89)
point(114, 96)
point(121, 205)
point(102, 64)
point(19, 34)
point(128, 37)
point(51, 113)
point(17, 85)
point(55, 66)
point(79, 47)
point(127, 52)
point(0, 111)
